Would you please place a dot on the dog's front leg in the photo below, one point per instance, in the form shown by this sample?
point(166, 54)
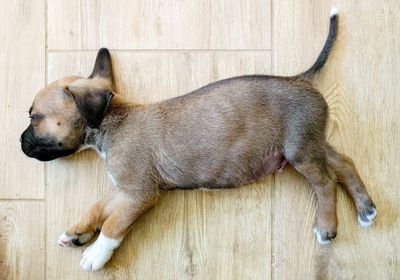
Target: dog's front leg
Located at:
point(125, 211)
point(91, 221)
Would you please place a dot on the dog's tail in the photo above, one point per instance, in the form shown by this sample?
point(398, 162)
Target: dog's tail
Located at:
point(323, 56)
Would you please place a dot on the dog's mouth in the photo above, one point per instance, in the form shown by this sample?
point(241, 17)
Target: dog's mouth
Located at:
point(41, 149)
point(44, 153)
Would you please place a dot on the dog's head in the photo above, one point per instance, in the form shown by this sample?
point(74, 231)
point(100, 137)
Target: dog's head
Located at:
point(62, 111)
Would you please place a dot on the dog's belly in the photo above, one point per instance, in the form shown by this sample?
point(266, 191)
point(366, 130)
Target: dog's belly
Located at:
point(230, 175)
point(274, 162)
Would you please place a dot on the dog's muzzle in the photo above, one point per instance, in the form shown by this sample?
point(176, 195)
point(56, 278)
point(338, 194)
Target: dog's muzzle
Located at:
point(40, 148)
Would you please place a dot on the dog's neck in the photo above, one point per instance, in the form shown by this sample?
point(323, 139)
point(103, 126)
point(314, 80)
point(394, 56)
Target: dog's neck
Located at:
point(117, 111)
point(93, 137)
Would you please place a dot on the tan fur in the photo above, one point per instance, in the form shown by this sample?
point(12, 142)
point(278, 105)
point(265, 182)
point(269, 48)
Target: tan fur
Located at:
point(113, 214)
point(140, 129)
point(350, 179)
point(60, 111)
point(226, 134)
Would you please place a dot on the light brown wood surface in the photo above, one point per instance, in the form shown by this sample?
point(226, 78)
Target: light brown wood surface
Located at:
point(155, 24)
point(22, 74)
point(22, 240)
point(162, 49)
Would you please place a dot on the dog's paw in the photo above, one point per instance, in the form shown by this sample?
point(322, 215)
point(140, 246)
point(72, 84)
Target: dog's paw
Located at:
point(98, 254)
point(366, 216)
point(324, 237)
point(74, 240)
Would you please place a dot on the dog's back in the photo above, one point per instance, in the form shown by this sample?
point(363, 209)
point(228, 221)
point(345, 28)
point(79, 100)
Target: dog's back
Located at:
point(234, 131)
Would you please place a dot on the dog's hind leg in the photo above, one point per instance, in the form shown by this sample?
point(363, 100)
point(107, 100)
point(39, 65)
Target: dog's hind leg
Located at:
point(309, 160)
point(125, 211)
point(318, 173)
point(349, 178)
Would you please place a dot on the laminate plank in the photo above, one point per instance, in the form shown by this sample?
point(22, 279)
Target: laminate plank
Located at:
point(22, 74)
point(22, 240)
point(154, 24)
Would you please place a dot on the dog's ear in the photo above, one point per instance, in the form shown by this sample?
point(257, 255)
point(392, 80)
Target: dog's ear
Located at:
point(92, 104)
point(103, 67)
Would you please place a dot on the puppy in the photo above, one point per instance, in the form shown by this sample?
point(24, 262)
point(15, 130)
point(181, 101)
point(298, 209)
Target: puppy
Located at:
point(229, 133)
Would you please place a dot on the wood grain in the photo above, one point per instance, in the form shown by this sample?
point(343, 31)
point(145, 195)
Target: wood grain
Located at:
point(22, 74)
point(22, 241)
point(296, 46)
point(167, 48)
point(360, 84)
point(189, 234)
point(155, 24)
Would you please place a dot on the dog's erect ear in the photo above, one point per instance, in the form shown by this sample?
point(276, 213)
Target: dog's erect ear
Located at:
point(92, 104)
point(102, 67)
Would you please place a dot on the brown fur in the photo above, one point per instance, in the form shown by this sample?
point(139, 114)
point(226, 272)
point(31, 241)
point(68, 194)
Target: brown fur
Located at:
point(226, 134)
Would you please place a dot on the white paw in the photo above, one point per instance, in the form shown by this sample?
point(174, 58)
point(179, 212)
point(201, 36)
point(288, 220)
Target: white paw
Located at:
point(68, 240)
point(98, 254)
point(321, 241)
point(65, 240)
point(370, 218)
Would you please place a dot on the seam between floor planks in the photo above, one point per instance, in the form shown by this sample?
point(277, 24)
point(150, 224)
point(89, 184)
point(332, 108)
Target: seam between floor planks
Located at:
point(160, 50)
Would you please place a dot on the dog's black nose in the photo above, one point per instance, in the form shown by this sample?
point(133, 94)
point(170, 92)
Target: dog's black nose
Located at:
point(23, 136)
point(26, 145)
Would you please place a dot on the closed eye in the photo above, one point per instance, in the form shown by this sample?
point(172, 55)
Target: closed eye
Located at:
point(35, 117)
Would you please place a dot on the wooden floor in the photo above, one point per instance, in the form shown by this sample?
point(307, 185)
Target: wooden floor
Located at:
point(166, 48)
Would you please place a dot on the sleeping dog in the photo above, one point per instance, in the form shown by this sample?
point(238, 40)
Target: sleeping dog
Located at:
point(226, 134)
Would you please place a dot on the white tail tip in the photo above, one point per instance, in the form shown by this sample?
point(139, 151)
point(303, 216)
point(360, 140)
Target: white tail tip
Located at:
point(334, 11)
